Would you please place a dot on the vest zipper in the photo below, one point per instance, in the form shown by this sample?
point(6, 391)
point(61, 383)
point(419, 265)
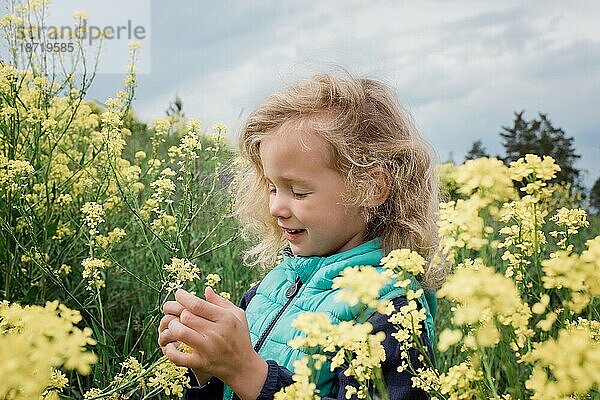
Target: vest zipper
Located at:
point(290, 293)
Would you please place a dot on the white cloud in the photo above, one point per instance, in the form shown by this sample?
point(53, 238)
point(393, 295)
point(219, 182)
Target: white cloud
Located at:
point(462, 68)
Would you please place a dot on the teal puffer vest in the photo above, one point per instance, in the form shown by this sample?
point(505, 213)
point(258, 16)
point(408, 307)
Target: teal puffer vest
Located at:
point(271, 310)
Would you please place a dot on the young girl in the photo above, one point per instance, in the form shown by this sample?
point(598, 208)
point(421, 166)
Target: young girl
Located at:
point(337, 176)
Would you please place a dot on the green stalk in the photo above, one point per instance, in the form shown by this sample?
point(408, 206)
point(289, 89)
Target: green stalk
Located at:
point(488, 375)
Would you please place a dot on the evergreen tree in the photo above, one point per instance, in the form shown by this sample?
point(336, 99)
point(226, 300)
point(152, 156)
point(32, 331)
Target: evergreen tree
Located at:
point(539, 136)
point(477, 150)
point(176, 108)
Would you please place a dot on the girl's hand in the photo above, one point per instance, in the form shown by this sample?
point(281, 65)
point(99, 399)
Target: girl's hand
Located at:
point(218, 332)
point(172, 311)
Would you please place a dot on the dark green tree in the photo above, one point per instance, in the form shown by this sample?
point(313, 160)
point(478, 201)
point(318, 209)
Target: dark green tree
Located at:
point(595, 196)
point(175, 108)
point(539, 136)
point(477, 150)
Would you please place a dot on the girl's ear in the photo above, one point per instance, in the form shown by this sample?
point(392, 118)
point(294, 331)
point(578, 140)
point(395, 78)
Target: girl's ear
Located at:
point(383, 186)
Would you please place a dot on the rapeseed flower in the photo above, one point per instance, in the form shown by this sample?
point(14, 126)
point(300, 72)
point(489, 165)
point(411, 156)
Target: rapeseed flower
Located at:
point(14, 174)
point(361, 285)
point(353, 345)
point(302, 388)
point(488, 177)
point(37, 340)
point(212, 279)
point(579, 274)
point(171, 378)
point(93, 271)
point(571, 220)
point(564, 367)
point(482, 297)
point(404, 260)
point(461, 382)
point(93, 215)
point(533, 167)
point(179, 271)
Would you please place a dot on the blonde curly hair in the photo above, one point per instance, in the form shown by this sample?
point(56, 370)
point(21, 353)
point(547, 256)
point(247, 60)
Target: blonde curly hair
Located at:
point(367, 130)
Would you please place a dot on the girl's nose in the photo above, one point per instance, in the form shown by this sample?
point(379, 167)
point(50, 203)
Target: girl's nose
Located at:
point(278, 207)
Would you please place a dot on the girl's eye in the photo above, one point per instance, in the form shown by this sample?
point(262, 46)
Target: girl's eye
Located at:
point(300, 195)
point(272, 190)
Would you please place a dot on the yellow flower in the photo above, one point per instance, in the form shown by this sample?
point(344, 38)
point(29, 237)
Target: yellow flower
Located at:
point(92, 393)
point(180, 271)
point(80, 15)
point(590, 326)
point(486, 176)
point(404, 260)
point(140, 155)
point(161, 127)
point(570, 220)
point(212, 279)
point(353, 343)
point(14, 174)
point(449, 337)
point(564, 367)
point(219, 127)
point(93, 269)
point(164, 223)
point(546, 324)
point(361, 285)
point(459, 225)
point(58, 381)
point(171, 378)
point(225, 295)
point(461, 381)
point(350, 391)
point(540, 307)
point(481, 295)
point(302, 388)
point(93, 215)
point(541, 168)
point(580, 274)
point(113, 237)
point(37, 340)
point(163, 190)
point(426, 379)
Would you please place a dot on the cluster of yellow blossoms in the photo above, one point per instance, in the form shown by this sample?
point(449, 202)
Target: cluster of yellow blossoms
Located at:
point(535, 299)
point(578, 275)
point(352, 344)
point(565, 366)
point(484, 185)
point(36, 340)
point(135, 379)
point(483, 299)
point(180, 271)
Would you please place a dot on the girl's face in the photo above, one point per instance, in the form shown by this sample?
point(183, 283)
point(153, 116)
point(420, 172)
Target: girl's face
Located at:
point(306, 194)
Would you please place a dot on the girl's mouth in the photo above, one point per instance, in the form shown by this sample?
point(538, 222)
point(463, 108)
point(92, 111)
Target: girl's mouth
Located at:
point(293, 234)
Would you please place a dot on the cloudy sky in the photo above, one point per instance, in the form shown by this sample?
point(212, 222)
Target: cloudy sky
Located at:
point(460, 67)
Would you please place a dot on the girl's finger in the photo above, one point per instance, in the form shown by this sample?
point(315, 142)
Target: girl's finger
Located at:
point(166, 337)
point(195, 322)
point(214, 298)
point(182, 333)
point(179, 358)
point(196, 305)
point(173, 308)
point(164, 322)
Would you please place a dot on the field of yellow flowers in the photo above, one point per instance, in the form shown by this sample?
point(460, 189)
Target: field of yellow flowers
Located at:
point(103, 217)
